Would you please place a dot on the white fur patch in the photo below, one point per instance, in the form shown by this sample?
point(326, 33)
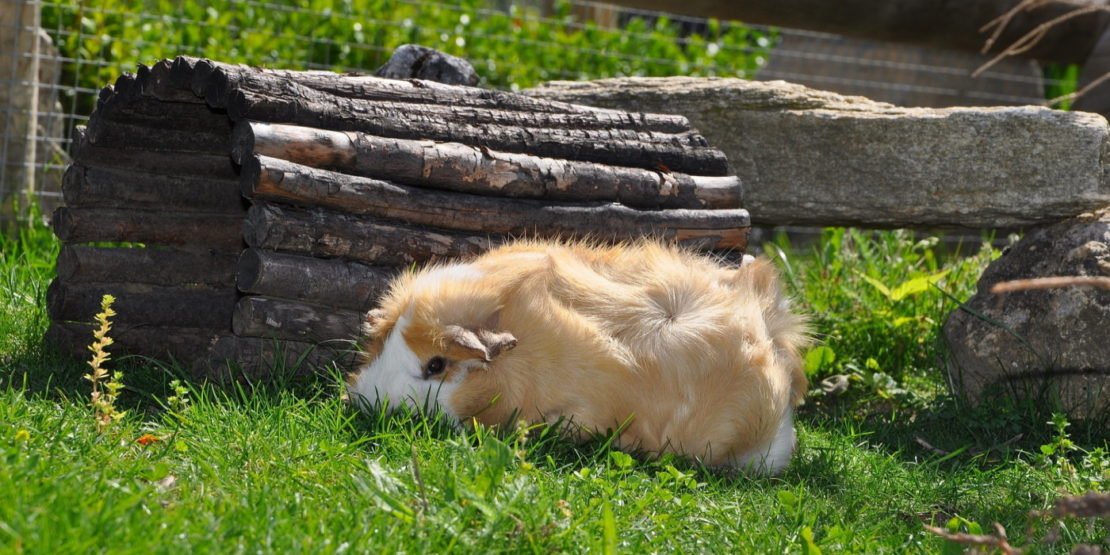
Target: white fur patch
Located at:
point(777, 455)
point(396, 377)
point(448, 273)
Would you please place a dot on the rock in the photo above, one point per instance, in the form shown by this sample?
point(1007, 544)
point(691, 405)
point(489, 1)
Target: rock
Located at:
point(412, 61)
point(1052, 341)
point(809, 157)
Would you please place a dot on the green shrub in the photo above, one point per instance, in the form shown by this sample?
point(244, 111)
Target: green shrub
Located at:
point(510, 49)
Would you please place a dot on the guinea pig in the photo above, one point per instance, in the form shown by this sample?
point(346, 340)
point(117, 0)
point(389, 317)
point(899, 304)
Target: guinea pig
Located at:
point(676, 352)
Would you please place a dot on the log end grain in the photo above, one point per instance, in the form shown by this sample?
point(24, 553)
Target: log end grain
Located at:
point(181, 72)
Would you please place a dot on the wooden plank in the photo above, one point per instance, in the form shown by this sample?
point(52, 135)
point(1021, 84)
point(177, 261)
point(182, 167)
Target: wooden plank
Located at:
point(329, 282)
point(468, 169)
point(85, 264)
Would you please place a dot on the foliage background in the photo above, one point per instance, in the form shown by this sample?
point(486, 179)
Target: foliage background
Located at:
point(515, 46)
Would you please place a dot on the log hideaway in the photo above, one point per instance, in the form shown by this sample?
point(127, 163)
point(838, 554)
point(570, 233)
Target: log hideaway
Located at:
point(259, 213)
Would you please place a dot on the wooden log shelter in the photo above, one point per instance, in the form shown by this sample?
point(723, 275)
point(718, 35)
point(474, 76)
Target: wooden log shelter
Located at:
point(254, 215)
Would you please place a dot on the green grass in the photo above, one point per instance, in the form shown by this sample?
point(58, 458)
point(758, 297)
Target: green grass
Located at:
point(286, 466)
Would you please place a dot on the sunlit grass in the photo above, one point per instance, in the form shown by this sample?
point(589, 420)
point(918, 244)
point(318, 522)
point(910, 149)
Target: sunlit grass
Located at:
point(285, 465)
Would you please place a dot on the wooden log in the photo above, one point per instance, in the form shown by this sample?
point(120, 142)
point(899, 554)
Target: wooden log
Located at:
point(164, 343)
point(155, 81)
point(120, 188)
point(270, 318)
point(219, 232)
point(274, 179)
point(462, 168)
point(234, 358)
point(104, 94)
point(626, 125)
point(147, 111)
point(329, 282)
point(139, 304)
point(103, 132)
point(329, 234)
point(215, 166)
point(218, 81)
point(84, 264)
point(123, 87)
point(181, 72)
point(671, 152)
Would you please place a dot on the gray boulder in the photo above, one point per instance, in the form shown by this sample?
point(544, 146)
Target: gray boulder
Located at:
point(412, 61)
point(809, 157)
point(1050, 344)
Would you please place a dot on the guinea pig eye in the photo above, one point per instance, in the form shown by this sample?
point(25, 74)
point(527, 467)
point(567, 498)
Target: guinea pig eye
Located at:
point(434, 366)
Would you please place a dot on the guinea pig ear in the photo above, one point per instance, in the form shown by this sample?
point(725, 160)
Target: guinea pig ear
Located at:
point(497, 342)
point(373, 321)
point(483, 345)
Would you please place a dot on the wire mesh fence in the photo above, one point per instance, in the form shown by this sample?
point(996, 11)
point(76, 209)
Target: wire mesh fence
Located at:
point(55, 55)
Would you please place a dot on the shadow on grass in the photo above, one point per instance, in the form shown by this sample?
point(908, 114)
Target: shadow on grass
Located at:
point(951, 433)
point(42, 370)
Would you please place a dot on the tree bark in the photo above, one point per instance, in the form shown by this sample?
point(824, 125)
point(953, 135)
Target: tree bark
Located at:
point(269, 318)
point(324, 233)
point(219, 232)
point(671, 152)
point(217, 82)
point(214, 166)
point(83, 264)
point(234, 358)
point(164, 343)
point(277, 180)
point(121, 188)
point(329, 282)
point(462, 168)
point(950, 25)
point(143, 305)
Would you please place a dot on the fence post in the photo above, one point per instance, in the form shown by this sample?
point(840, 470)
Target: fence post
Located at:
point(19, 68)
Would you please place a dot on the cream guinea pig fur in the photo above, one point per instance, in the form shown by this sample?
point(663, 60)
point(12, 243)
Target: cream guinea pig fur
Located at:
point(686, 355)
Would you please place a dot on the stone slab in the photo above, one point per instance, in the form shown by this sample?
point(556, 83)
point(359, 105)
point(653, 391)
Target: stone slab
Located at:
point(810, 157)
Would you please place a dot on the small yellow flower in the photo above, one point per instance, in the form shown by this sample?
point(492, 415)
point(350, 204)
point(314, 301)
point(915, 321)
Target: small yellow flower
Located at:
point(564, 508)
point(22, 435)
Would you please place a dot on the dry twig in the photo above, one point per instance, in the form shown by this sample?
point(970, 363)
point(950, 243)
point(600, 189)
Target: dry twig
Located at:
point(1050, 283)
point(1034, 36)
point(1089, 504)
point(998, 541)
point(921, 441)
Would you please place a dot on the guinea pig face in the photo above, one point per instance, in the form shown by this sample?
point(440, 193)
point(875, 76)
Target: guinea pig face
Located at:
point(420, 363)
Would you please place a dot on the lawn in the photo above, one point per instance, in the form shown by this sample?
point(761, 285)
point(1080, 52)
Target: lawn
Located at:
point(285, 465)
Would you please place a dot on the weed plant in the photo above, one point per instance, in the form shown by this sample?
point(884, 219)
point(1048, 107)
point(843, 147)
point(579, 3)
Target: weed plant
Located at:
point(286, 465)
